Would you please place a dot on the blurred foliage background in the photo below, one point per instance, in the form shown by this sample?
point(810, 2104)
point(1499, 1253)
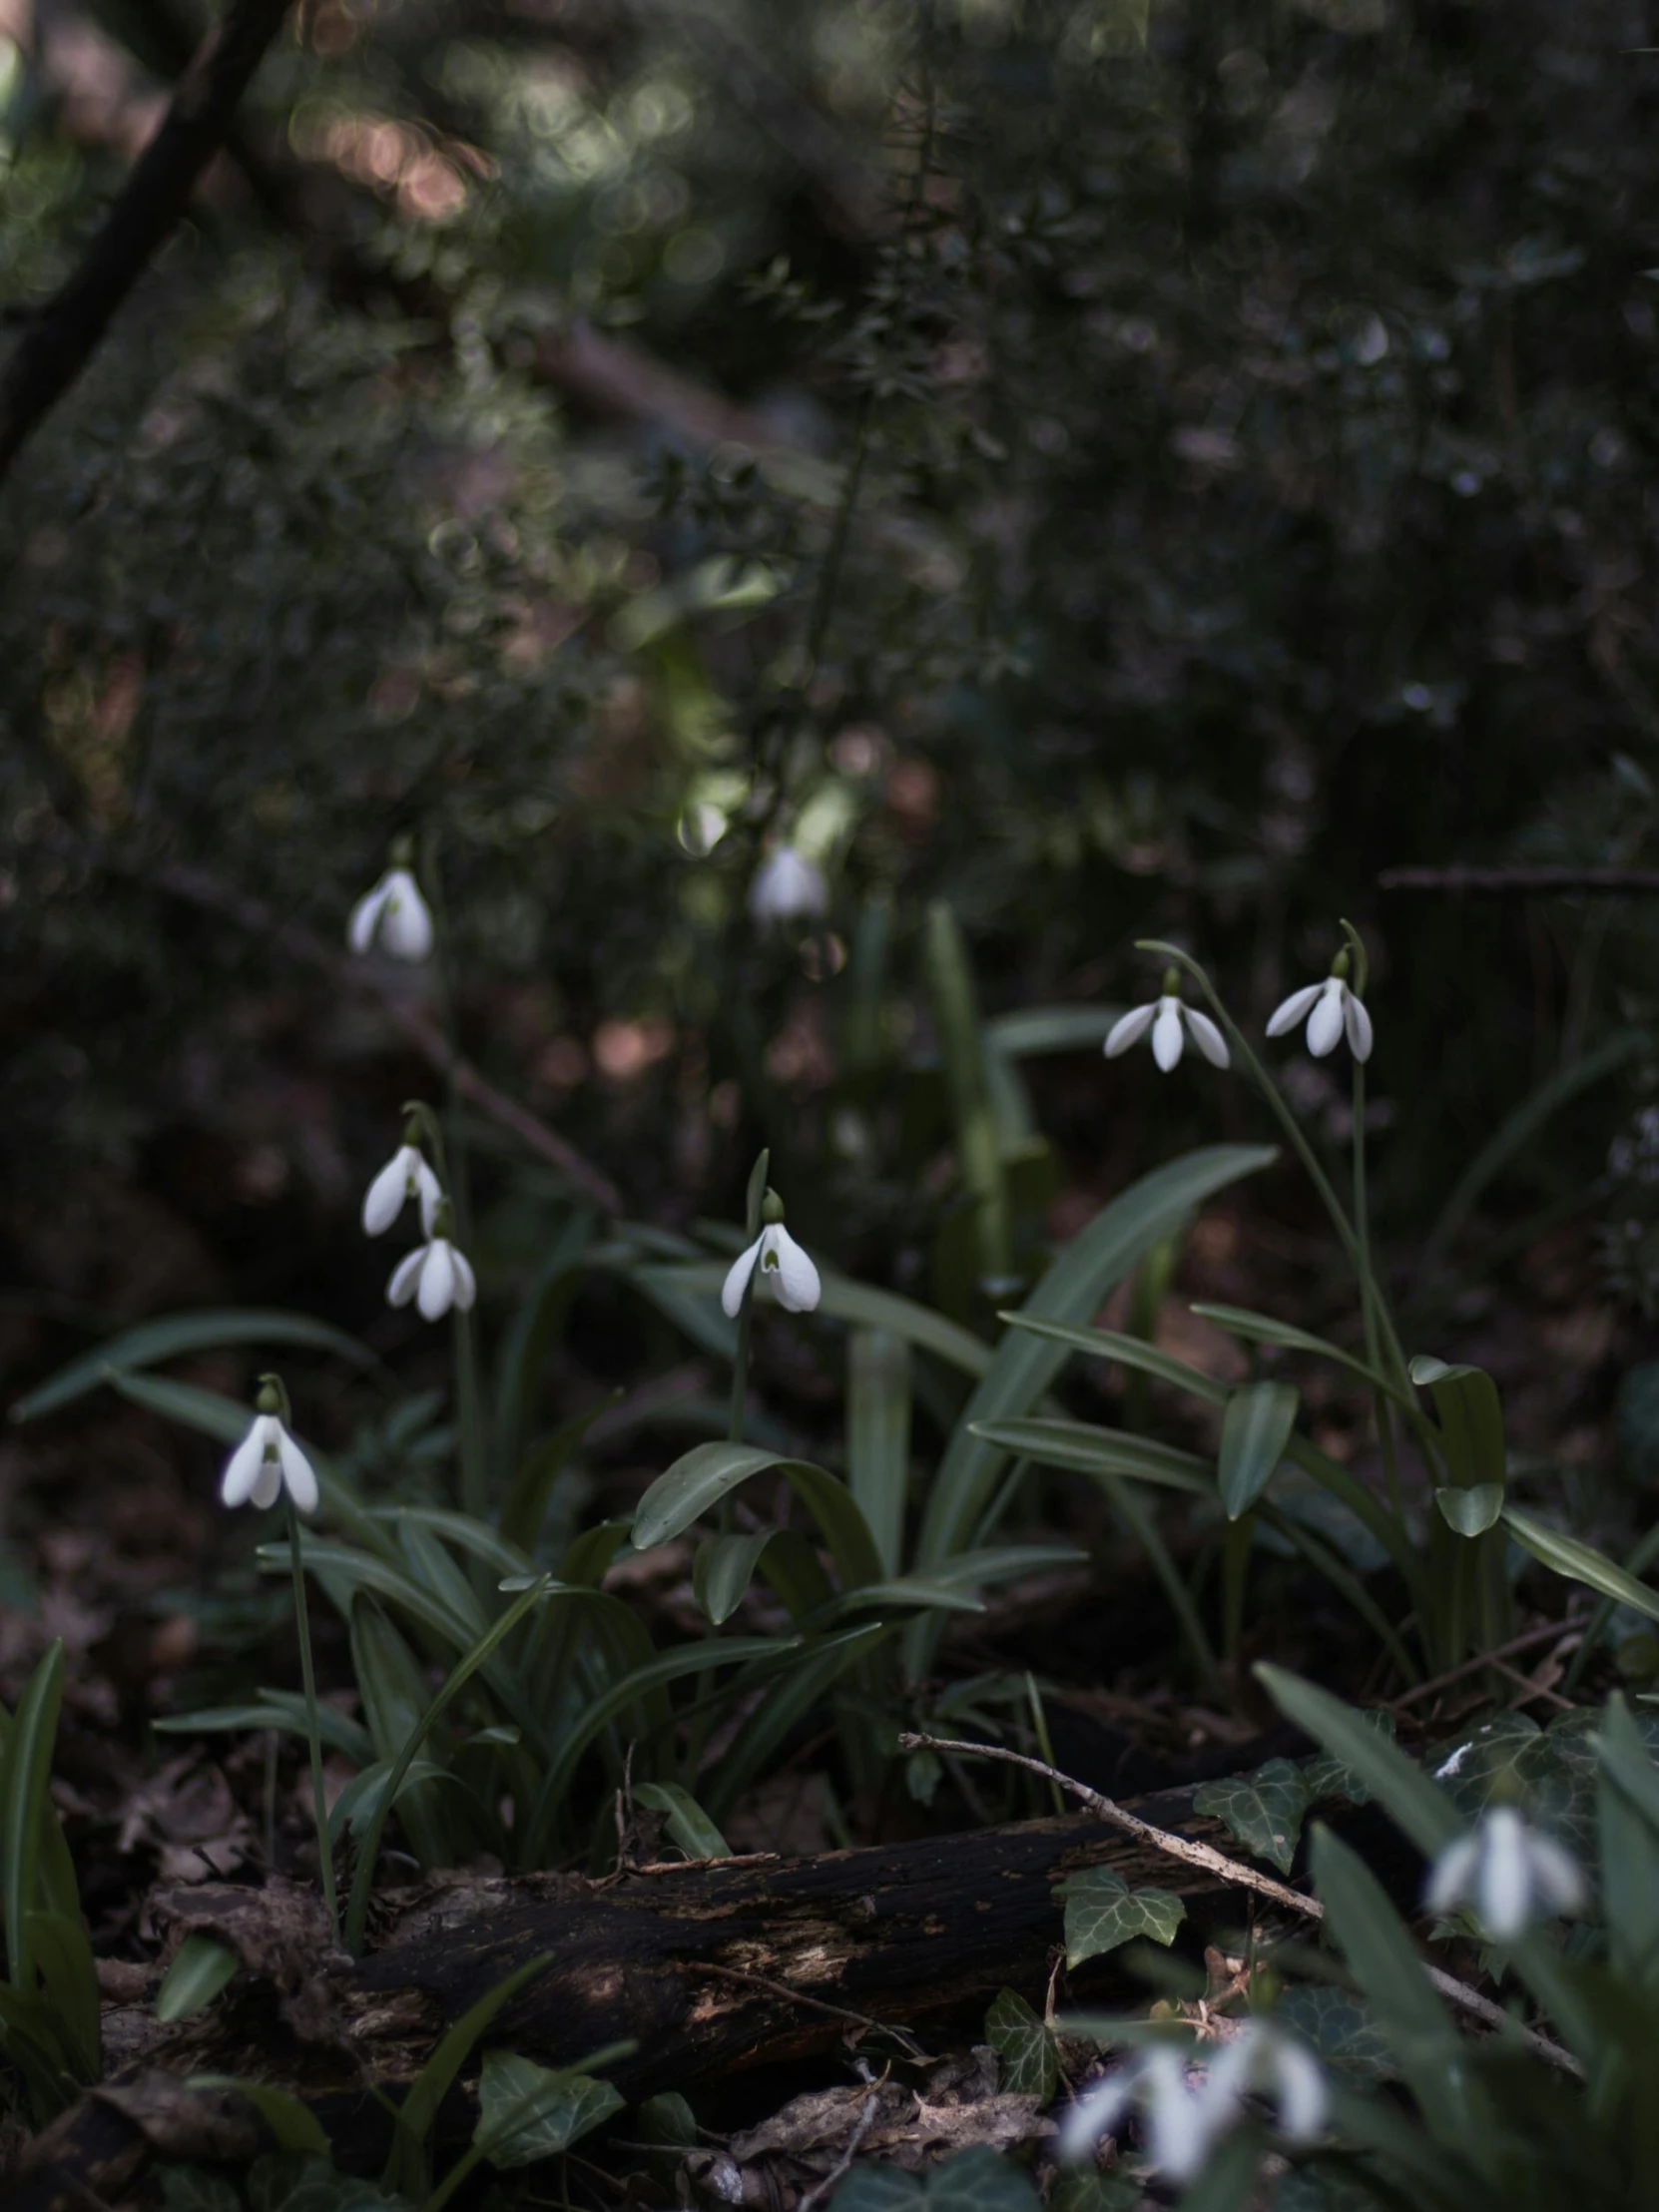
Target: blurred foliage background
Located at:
point(1117, 466)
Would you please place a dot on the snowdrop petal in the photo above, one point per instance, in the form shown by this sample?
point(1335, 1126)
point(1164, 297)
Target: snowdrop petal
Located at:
point(429, 1191)
point(1128, 1029)
point(366, 916)
point(1506, 1896)
point(1207, 1037)
point(737, 1280)
point(242, 1470)
point(1452, 1873)
point(267, 1484)
point(407, 1276)
point(1096, 2114)
point(296, 1471)
point(1358, 1023)
point(1301, 2095)
point(437, 1281)
point(1289, 1011)
point(1166, 1039)
point(383, 1199)
point(405, 927)
point(1325, 1023)
point(798, 1286)
point(1556, 1873)
point(1178, 2130)
point(787, 887)
point(466, 1283)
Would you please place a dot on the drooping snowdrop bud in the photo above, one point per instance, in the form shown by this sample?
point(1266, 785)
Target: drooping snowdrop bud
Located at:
point(1330, 1008)
point(787, 887)
point(1179, 2130)
point(1260, 2057)
point(784, 1267)
point(267, 1458)
point(1508, 1872)
point(1164, 1017)
point(407, 1174)
point(395, 912)
point(436, 1275)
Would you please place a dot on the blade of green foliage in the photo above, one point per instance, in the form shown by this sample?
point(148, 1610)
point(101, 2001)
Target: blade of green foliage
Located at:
point(292, 2125)
point(24, 1773)
point(1083, 1274)
point(1263, 1329)
point(1471, 1512)
point(1089, 1449)
point(1336, 1571)
point(1034, 1030)
point(61, 1951)
point(525, 1506)
point(879, 1437)
point(708, 1472)
point(1103, 1913)
point(722, 1569)
point(272, 1710)
point(1127, 1352)
point(535, 1323)
point(224, 1421)
point(1471, 1420)
point(393, 1687)
point(805, 1685)
point(1262, 1811)
point(1027, 2047)
point(31, 2036)
point(202, 1966)
point(687, 1824)
point(1254, 1430)
point(178, 1336)
point(1580, 1563)
point(1403, 1790)
point(857, 1303)
point(1629, 1832)
point(979, 1147)
point(407, 2171)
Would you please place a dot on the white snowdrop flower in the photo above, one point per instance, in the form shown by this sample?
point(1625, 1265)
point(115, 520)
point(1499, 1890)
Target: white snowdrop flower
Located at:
point(436, 1275)
point(783, 1263)
point(395, 912)
point(1260, 2057)
point(1164, 1017)
point(787, 887)
point(266, 1459)
point(407, 1174)
point(1330, 1008)
point(1179, 2130)
point(1508, 1872)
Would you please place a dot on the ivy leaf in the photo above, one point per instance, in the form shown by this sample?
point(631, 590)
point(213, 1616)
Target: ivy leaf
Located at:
point(1339, 2027)
point(975, 2180)
point(1084, 2192)
point(1025, 2045)
point(300, 2181)
point(195, 2189)
point(1102, 1911)
point(1327, 1777)
point(1262, 1811)
point(526, 2111)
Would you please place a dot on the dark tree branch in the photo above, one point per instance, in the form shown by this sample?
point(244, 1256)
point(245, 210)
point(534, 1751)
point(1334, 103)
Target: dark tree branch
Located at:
point(1524, 883)
point(65, 334)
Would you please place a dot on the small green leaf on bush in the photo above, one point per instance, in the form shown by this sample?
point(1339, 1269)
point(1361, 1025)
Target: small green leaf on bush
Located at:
point(1102, 1911)
point(294, 2126)
point(1262, 1811)
point(305, 2181)
point(202, 1966)
point(1026, 2046)
point(974, 2180)
point(195, 2189)
point(1470, 1420)
point(667, 2120)
point(1471, 1511)
point(526, 2111)
point(1326, 1776)
point(1254, 1430)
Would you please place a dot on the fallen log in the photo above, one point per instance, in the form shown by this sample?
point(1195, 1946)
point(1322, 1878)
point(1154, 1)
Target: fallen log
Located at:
point(706, 1967)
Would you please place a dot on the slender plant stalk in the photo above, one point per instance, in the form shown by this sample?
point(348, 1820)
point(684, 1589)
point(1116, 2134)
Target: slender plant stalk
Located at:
point(1368, 1290)
point(740, 1364)
point(319, 1801)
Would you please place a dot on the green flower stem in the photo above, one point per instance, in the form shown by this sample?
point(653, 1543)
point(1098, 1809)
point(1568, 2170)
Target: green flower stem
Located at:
point(474, 1475)
point(319, 1801)
point(1368, 1290)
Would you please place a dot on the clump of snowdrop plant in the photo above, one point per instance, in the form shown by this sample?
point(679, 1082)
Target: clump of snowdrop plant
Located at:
point(395, 915)
point(777, 1263)
point(407, 1174)
point(1164, 1017)
point(787, 887)
point(1330, 1008)
point(1508, 1872)
point(1185, 2110)
point(436, 1275)
point(263, 1464)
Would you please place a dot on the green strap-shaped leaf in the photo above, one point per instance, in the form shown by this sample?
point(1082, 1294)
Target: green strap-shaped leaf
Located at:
point(406, 2163)
point(1254, 1430)
point(1580, 1563)
point(181, 1334)
point(687, 1824)
point(1471, 1511)
point(1403, 1790)
point(1263, 1329)
point(24, 1773)
point(1469, 1418)
point(722, 1569)
point(1109, 1451)
point(879, 1437)
point(708, 1472)
point(202, 1966)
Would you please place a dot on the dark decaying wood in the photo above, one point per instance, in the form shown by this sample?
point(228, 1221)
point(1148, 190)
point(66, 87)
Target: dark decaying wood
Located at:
point(706, 1967)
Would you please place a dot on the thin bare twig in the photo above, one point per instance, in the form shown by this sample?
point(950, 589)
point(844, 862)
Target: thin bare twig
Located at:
point(1239, 1876)
point(901, 2036)
point(866, 2120)
point(1524, 883)
point(1526, 1641)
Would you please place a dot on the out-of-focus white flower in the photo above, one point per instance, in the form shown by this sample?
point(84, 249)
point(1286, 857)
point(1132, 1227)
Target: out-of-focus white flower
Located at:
point(266, 1459)
point(787, 887)
point(1331, 1007)
point(1508, 1872)
point(1260, 2057)
point(437, 1276)
point(781, 1262)
point(395, 912)
point(1179, 2131)
point(407, 1174)
point(1164, 1017)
